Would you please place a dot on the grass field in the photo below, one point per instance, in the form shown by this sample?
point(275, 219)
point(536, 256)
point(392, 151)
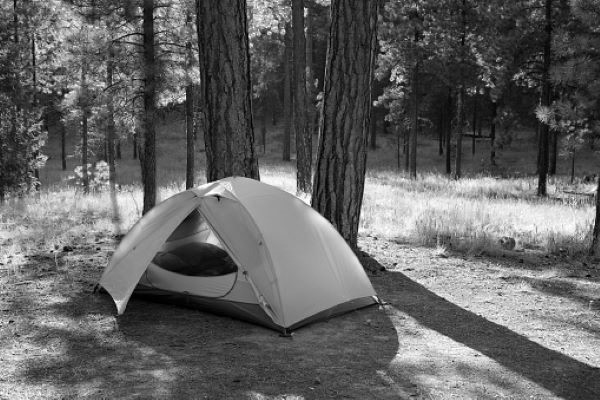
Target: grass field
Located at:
point(465, 318)
point(470, 214)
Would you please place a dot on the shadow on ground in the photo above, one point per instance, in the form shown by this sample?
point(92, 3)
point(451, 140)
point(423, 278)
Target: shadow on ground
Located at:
point(73, 346)
point(556, 372)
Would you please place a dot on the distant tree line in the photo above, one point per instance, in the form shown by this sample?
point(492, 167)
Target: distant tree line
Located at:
point(344, 70)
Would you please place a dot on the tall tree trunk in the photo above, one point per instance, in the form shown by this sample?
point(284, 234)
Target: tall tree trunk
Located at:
point(475, 116)
point(441, 122)
point(460, 101)
point(189, 109)
point(84, 128)
point(493, 134)
point(459, 132)
point(572, 167)
point(110, 123)
point(595, 247)
point(301, 130)
point(544, 128)
point(287, 94)
point(344, 127)
point(414, 129)
point(373, 129)
point(149, 158)
point(263, 129)
point(225, 66)
point(553, 144)
point(406, 148)
point(63, 145)
point(448, 136)
point(311, 111)
point(36, 171)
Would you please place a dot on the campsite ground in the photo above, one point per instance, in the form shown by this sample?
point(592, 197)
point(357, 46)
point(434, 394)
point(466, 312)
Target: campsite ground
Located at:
point(455, 326)
point(464, 319)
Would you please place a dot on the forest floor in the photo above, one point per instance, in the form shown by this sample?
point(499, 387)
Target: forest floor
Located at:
point(454, 326)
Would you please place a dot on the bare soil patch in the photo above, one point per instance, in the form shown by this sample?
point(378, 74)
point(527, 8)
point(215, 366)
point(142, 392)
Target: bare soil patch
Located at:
point(454, 327)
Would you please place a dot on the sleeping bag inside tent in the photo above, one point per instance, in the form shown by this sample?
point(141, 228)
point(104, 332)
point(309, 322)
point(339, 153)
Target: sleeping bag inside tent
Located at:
point(242, 248)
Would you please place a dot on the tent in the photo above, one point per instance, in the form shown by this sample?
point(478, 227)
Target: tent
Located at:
point(242, 248)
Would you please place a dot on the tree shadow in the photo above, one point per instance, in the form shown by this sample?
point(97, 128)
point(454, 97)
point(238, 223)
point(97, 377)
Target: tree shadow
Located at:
point(562, 375)
point(78, 348)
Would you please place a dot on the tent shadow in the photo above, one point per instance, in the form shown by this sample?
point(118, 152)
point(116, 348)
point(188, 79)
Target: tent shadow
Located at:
point(165, 351)
point(564, 376)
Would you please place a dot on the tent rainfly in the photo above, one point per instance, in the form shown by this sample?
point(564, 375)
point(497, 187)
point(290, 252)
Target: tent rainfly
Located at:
point(242, 248)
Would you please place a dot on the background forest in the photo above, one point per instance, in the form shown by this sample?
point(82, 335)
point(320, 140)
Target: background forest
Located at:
point(498, 89)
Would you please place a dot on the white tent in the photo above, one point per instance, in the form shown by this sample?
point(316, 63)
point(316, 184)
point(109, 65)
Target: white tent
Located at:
point(243, 248)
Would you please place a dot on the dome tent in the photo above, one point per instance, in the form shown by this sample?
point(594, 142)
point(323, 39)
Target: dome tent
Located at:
point(242, 248)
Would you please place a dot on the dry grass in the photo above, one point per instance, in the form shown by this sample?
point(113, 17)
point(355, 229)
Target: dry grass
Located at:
point(470, 214)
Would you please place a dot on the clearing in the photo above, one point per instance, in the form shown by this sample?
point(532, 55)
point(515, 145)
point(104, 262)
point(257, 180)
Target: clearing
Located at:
point(456, 326)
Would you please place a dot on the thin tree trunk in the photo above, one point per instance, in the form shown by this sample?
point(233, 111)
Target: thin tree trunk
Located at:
point(448, 135)
point(189, 135)
point(311, 111)
point(263, 129)
point(414, 130)
point(406, 148)
point(460, 101)
point(301, 129)
point(441, 122)
point(222, 29)
point(189, 110)
point(84, 129)
point(398, 146)
point(544, 128)
point(63, 145)
point(595, 247)
point(149, 158)
point(373, 129)
point(572, 167)
point(553, 144)
point(475, 109)
point(110, 125)
point(344, 127)
point(287, 94)
point(36, 171)
point(459, 132)
point(493, 134)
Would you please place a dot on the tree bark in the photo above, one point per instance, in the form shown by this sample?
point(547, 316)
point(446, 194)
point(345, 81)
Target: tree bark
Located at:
point(287, 94)
point(493, 134)
point(414, 129)
point(595, 247)
point(441, 122)
point(303, 135)
point(459, 132)
point(311, 111)
point(110, 123)
point(344, 127)
point(149, 158)
point(225, 67)
point(189, 110)
point(373, 129)
point(475, 116)
point(63, 145)
point(448, 136)
point(84, 129)
point(553, 150)
point(544, 128)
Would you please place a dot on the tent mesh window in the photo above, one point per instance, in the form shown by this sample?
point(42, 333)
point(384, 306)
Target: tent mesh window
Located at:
point(194, 250)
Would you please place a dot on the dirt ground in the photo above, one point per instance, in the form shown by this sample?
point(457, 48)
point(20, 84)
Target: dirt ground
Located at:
point(455, 326)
